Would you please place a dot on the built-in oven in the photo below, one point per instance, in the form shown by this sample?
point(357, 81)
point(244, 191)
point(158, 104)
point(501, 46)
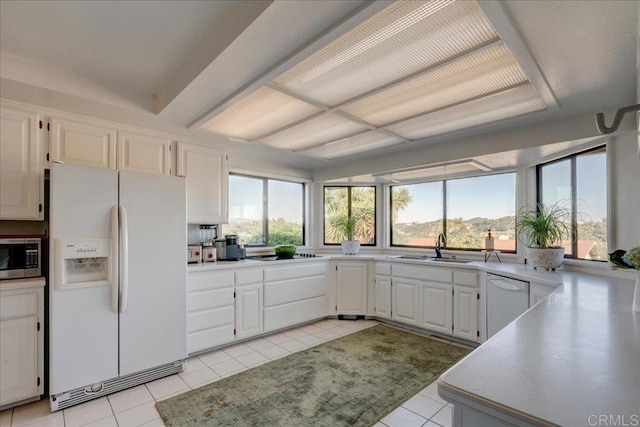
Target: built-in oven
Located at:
point(20, 257)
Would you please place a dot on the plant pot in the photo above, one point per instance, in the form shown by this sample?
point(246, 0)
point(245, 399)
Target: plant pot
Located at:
point(547, 258)
point(350, 247)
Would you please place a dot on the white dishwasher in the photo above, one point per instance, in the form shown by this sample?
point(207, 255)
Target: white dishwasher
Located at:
point(507, 299)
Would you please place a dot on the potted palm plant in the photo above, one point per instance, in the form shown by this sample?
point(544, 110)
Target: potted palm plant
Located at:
point(345, 227)
point(543, 228)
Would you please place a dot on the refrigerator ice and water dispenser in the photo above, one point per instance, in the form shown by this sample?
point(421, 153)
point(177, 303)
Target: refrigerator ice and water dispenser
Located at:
point(82, 263)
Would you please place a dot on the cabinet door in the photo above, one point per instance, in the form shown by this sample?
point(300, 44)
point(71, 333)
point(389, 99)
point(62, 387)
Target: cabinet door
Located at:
point(83, 144)
point(405, 304)
point(249, 311)
point(18, 359)
point(207, 182)
point(352, 287)
point(437, 304)
point(383, 297)
point(465, 313)
point(144, 153)
point(21, 172)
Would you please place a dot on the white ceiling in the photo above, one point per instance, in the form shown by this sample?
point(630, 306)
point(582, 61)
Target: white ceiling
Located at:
point(173, 62)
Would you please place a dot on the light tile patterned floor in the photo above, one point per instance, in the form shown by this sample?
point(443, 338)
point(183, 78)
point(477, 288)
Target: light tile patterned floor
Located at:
point(135, 407)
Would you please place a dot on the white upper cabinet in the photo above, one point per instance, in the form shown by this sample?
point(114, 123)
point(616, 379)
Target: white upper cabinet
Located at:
point(144, 153)
point(21, 165)
point(83, 143)
point(207, 176)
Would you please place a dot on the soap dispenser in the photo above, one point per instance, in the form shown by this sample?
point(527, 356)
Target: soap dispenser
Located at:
point(488, 242)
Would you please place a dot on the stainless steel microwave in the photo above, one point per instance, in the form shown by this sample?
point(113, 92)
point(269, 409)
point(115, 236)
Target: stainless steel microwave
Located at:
point(20, 258)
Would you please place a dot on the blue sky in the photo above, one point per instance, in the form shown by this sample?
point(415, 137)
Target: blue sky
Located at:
point(487, 197)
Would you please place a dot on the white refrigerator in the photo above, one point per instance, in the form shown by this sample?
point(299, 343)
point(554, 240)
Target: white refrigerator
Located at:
point(117, 288)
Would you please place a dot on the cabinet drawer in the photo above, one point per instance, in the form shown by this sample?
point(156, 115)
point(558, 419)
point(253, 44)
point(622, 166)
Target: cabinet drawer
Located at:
point(202, 340)
point(291, 314)
point(204, 300)
point(210, 319)
point(248, 277)
point(423, 273)
point(19, 305)
point(383, 268)
point(467, 279)
point(286, 273)
point(203, 280)
point(294, 290)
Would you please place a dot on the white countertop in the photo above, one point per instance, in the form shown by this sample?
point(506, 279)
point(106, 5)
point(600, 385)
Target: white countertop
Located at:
point(573, 355)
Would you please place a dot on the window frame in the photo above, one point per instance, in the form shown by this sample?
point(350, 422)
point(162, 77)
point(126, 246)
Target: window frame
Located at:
point(265, 207)
point(349, 188)
point(574, 196)
point(445, 213)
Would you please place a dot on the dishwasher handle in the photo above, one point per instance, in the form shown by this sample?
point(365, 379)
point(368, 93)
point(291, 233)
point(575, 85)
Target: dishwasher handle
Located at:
point(509, 285)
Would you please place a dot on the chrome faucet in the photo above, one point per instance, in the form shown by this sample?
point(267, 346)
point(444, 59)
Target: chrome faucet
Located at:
point(440, 243)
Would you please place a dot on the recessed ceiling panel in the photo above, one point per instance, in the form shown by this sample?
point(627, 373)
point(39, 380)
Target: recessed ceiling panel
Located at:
point(479, 74)
point(264, 111)
point(510, 103)
point(403, 39)
point(319, 130)
point(371, 140)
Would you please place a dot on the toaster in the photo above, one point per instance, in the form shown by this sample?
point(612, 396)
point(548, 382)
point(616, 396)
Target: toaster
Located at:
point(194, 254)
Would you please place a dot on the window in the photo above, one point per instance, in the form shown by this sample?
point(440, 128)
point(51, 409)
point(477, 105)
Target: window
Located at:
point(417, 214)
point(350, 202)
point(266, 212)
point(463, 209)
point(579, 182)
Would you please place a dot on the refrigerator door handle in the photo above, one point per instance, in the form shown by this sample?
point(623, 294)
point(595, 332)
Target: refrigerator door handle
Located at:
point(114, 257)
point(124, 256)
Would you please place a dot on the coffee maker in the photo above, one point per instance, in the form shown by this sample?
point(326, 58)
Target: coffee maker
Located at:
point(234, 250)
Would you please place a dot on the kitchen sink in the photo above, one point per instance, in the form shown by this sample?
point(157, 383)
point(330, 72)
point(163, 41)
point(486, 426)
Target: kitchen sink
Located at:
point(419, 257)
point(459, 261)
point(432, 258)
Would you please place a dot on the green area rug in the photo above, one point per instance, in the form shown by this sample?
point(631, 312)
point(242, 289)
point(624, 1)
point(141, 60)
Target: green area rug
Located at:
point(350, 381)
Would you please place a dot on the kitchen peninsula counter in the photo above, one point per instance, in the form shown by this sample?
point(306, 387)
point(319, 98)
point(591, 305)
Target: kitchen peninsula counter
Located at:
point(570, 360)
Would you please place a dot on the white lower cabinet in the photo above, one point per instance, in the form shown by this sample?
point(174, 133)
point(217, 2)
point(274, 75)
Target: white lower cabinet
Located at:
point(294, 294)
point(351, 283)
point(436, 302)
point(383, 297)
point(210, 309)
point(465, 313)
point(21, 342)
point(249, 311)
point(405, 301)
point(465, 306)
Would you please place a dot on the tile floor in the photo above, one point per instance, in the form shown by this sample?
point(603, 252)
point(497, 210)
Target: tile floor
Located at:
point(135, 407)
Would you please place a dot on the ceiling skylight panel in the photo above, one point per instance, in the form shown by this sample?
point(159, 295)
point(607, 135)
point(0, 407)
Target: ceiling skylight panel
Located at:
point(317, 131)
point(510, 103)
point(367, 141)
point(262, 112)
point(403, 39)
point(482, 73)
